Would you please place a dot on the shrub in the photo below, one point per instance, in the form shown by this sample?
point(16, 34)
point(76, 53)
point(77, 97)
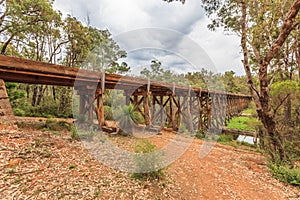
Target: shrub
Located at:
point(200, 134)
point(243, 123)
point(126, 117)
point(19, 112)
point(286, 174)
point(108, 113)
point(150, 162)
point(54, 125)
point(74, 133)
point(225, 138)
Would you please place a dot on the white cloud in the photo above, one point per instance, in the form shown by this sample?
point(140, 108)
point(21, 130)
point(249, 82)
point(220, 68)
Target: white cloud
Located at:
point(121, 16)
point(223, 49)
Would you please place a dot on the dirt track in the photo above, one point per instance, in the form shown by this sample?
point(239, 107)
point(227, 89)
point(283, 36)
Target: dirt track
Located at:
point(41, 165)
point(227, 173)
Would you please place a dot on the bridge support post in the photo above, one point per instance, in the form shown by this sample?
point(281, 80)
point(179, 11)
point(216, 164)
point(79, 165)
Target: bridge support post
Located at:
point(147, 114)
point(162, 118)
point(189, 108)
point(6, 113)
point(200, 109)
point(178, 113)
point(100, 108)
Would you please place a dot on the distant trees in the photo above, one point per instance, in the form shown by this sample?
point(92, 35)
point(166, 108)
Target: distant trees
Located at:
point(203, 79)
point(105, 53)
point(32, 29)
point(269, 32)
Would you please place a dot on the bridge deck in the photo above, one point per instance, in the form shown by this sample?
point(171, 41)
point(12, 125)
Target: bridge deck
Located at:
point(27, 71)
point(199, 109)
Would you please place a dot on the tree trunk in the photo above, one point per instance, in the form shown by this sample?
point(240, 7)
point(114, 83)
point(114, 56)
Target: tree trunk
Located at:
point(41, 94)
point(297, 55)
point(54, 92)
point(288, 110)
point(27, 91)
point(262, 98)
point(5, 45)
point(34, 95)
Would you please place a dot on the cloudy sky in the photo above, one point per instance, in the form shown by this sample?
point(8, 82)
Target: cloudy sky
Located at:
point(174, 34)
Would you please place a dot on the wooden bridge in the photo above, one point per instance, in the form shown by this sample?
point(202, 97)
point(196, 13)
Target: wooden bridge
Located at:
point(196, 107)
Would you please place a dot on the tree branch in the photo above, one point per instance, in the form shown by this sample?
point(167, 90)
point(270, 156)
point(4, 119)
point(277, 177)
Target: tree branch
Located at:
point(287, 27)
point(281, 102)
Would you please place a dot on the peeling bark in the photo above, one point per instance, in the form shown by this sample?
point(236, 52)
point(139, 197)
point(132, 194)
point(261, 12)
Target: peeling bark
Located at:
point(262, 98)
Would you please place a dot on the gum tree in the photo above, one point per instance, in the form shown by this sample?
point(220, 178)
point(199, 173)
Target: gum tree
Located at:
point(264, 27)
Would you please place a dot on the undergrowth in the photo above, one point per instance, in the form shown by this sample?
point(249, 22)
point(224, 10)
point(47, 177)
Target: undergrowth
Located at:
point(286, 174)
point(243, 123)
point(147, 165)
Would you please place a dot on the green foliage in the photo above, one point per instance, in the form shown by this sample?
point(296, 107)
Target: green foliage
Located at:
point(104, 53)
point(230, 82)
point(24, 18)
point(243, 123)
point(19, 112)
point(54, 125)
point(16, 98)
point(283, 88)
point(200, 133)
point(32, 29)
point(149, 162)
point(57, 125)
point(48, 107)
point(205, 79)
point(108, 113)
point(225, 138)
point(72, 166)
point(144, 146)
point(158, 73)
point(286, 174)
point(74, 133)
point(245, 144)
point(127, 116)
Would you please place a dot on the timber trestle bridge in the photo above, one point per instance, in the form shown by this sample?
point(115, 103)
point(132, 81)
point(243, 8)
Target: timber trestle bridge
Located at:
point(168, 104)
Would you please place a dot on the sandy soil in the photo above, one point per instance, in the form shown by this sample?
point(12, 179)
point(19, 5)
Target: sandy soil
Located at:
point(43, 165)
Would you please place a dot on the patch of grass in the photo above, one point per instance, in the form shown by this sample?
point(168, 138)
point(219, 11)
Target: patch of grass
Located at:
point(286, 174)
point(45, 152)
point(11, 171)
point(248, 111)
point(148, 163)
point(243, 123)
point(54, 125)
point(74, 133)
point(225, 138)
point(229, 141)
point(200, 134)
point(245, 144)
point(72, 166)
point(50, 125)
point(97, 192)
point(18, 180)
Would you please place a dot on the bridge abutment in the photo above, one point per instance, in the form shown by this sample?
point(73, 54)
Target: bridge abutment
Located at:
point(6, 113)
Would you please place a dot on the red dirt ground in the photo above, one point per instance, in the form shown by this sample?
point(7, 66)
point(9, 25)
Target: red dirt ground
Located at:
point(41, 165)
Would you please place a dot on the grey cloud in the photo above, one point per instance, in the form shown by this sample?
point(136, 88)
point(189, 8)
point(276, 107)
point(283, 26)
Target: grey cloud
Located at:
point(123, 16)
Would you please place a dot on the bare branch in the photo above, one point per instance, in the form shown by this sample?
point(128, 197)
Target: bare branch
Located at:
point(281, 102)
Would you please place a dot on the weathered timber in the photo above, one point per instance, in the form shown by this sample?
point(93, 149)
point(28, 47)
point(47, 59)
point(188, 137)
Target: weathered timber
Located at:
point(196, 107)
